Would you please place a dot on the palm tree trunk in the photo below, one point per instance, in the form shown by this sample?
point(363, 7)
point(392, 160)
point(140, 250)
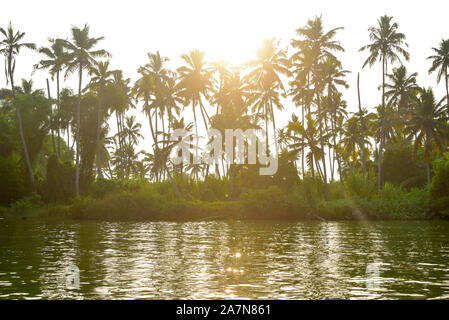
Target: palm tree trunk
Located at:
point(324, 173)
point(120, 145)
point(77, 138)
point(362, 124)
point(274, 128)
point(52, 119)
point(68, 141)
point(99, 120)
point(428, 173)
point(175, 187)
point(447, 89)
point(266, 130)
point(207, 165)
point(59, 111)
point(382, 128)
point(302, 151)
point(22, 137)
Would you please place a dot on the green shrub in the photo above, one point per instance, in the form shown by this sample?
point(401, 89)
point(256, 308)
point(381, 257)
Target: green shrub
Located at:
point(393, 202)
point(400, 166)
point(337, 209)
point(266, 203)
point(26, 205)
point(12, 182)
point(59, 185)
point(357, 185)
point(102, 187)
point(439, 188)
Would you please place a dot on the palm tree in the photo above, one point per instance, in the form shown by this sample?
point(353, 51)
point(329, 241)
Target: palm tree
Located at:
point(81, 56)
point(319, 45)
point(221, 66)
point(332, 76)
point(119, 99)
point(353, 140)
point(428, 125)
point(100, 77)
point(269, 65)
point(55, 59)
point(180, 124)
point(195, 83)
point(143, 88)
point(160, 74)
point(10, 47)
point(440, 61)
point(306, 137)
point(386, 46)
point(400, 91)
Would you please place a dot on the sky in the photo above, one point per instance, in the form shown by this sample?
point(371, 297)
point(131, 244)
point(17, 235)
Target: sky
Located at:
point(230, 29)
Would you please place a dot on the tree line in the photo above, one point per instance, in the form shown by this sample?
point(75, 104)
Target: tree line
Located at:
point(324, 140)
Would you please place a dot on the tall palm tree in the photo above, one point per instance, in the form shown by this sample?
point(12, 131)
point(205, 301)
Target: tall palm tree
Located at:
point(234, 100)
point(270, 63)
point(143, 88)
point(100, 77)
point(332, 75)
point(386, 46)
point(160, 74)
point(428, 124)
point(10, 47)
point(119, 99)
point(195, 83)
point(440, 61)
point(81, 56)
point(319, 45)
point(55, 59)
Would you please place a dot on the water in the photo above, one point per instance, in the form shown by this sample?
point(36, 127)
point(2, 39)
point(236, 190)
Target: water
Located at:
point(225, 260)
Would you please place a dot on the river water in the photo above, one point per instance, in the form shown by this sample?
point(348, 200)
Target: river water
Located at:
point(224, 260)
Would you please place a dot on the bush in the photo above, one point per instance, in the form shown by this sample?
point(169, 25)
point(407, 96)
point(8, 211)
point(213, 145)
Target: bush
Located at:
point(26, 205)
point(393, 202)
point(341, 209)
point(400, 166)
point(439, 188)
point(12, 183)
point(59, 185)
point(266, 203)
point(102, 187)
point(357, 185)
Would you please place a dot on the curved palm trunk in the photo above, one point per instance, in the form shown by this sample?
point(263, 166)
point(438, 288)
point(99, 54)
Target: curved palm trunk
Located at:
point(77, 138)
point(22, 137)
point(428, 173)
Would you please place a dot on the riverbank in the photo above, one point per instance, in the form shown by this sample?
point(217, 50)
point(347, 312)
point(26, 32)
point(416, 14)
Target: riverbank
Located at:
point(148, 203)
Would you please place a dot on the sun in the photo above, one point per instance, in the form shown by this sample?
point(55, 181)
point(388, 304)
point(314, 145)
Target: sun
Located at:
point(232, 35)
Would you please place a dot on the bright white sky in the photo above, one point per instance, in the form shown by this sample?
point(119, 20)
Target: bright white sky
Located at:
point(229, 28)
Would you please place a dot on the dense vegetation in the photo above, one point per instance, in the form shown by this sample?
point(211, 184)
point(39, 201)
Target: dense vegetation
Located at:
point(60, 155)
